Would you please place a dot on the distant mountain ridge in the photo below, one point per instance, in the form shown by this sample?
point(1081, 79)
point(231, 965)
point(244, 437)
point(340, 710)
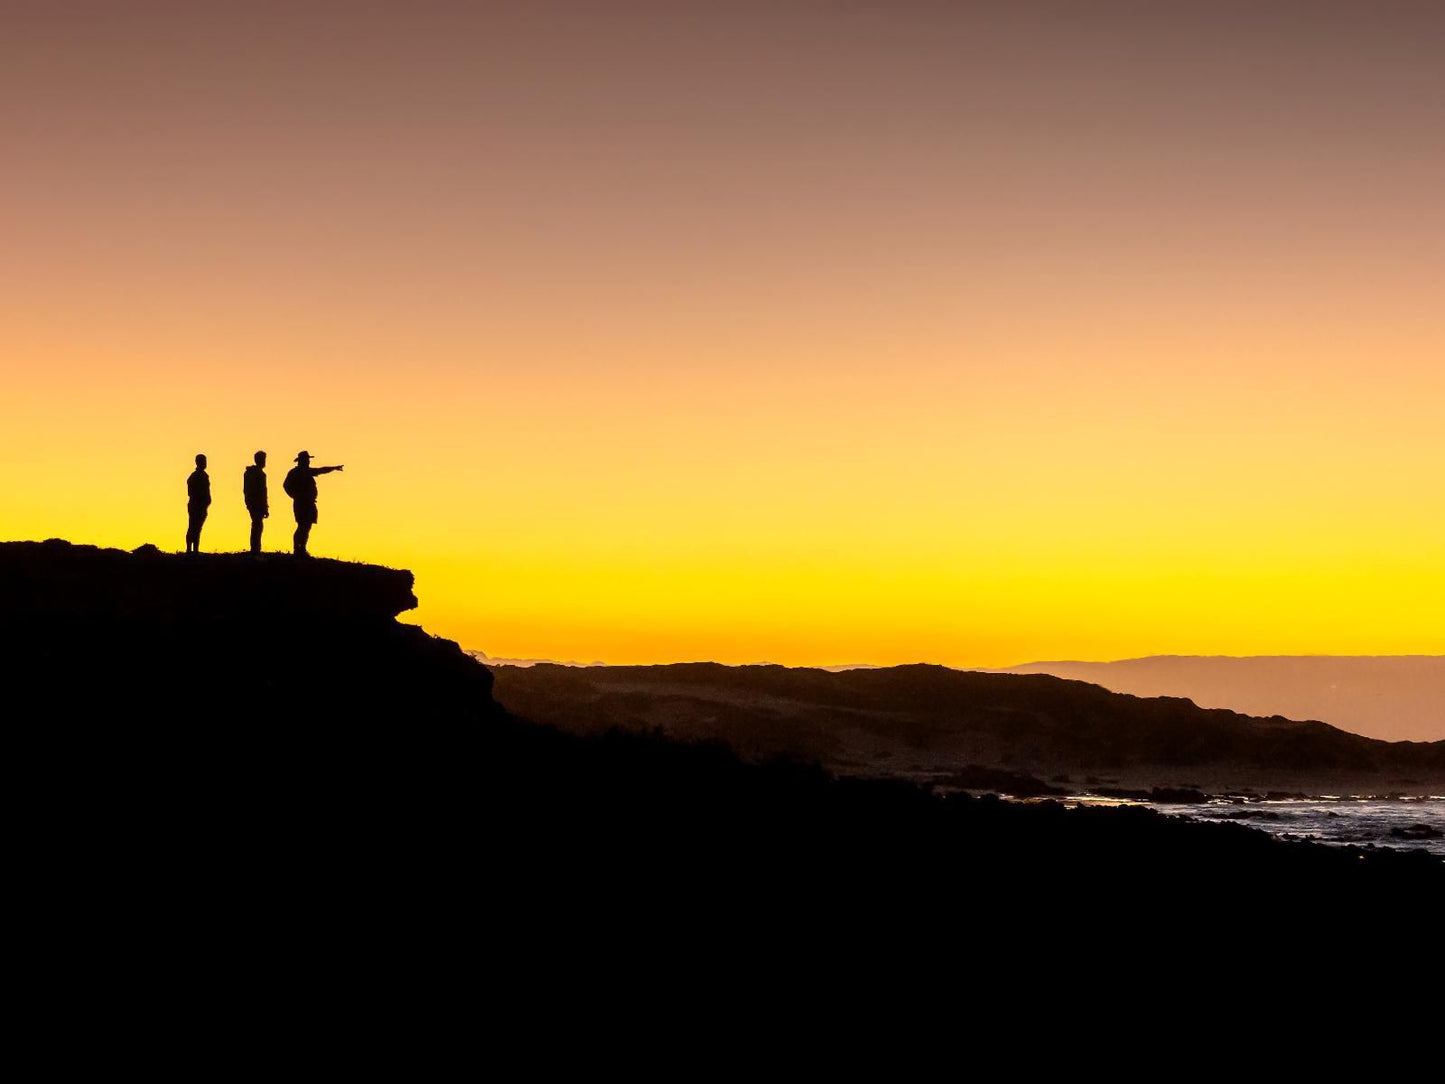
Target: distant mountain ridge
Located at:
point(920, 721)
point(1391, 697)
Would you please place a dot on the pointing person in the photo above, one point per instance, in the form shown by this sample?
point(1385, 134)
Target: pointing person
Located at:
point(300, 486)
point(253, 488)
point(198, 502)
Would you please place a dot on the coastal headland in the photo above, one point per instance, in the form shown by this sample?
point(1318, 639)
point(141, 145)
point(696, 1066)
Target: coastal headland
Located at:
point(269, 724)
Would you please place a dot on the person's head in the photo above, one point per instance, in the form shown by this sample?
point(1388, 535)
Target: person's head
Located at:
point(304, 458)
point(200, 462)
point(260, 459)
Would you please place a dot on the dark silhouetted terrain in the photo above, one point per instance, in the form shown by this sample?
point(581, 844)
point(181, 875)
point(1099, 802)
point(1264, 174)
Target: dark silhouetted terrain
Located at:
point(930, 722)
point(256, 752)
point(1395, 698)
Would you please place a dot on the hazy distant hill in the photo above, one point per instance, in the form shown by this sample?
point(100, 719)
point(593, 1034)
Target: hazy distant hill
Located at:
point(487, 660)
point(918, 721)
point(1394, 697)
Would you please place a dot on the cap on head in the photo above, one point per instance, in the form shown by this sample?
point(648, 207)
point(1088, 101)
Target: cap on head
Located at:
point(260, 459)
point(303, 455)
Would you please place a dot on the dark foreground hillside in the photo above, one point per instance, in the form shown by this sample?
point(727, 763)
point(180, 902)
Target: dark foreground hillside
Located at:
point(257, 745)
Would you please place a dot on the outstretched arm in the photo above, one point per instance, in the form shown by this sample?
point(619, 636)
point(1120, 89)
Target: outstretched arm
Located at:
point(325, 470)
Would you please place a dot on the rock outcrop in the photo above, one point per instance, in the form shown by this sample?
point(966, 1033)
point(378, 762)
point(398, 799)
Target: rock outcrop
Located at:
point(97, 637)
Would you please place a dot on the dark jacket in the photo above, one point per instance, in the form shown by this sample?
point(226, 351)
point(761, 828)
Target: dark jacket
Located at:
point(253, 485)
point(300, 484)
point(198, 489)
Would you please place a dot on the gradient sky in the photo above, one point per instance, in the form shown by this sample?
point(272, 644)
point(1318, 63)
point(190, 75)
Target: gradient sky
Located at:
point(810, 332)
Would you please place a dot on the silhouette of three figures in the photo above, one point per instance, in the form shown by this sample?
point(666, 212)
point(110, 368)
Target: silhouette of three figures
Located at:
point(300, 486)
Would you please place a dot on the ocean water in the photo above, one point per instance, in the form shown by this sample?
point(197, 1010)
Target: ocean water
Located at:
point(1383, 822)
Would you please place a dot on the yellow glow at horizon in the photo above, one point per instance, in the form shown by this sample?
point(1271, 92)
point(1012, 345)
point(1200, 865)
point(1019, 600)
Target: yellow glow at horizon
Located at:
point(635, 510)
point(774, 332)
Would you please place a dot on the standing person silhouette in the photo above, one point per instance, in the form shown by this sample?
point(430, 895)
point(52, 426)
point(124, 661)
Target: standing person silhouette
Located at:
point(253, 488)
point(198, 501)
point(300, 486)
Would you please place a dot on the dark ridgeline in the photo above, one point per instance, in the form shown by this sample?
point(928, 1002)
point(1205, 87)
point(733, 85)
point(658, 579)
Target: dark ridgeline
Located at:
point(300, 486)
point(265, 740)
point(889, 719)
point(198, 504)
point(258, 504)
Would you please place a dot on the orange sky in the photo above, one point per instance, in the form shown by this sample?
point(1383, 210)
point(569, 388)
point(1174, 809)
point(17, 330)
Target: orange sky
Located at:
point(810, 332)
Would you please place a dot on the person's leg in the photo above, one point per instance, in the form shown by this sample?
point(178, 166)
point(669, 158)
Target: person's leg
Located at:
point(256, 521)
point(193, 531)
point(303, 532)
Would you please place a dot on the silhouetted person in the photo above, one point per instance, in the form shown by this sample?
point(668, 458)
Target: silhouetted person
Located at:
point(300, 486)
point(253, 487)
point(198, 501)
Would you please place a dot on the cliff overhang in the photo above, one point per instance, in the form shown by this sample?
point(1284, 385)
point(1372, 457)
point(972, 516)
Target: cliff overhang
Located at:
point(58, 581)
